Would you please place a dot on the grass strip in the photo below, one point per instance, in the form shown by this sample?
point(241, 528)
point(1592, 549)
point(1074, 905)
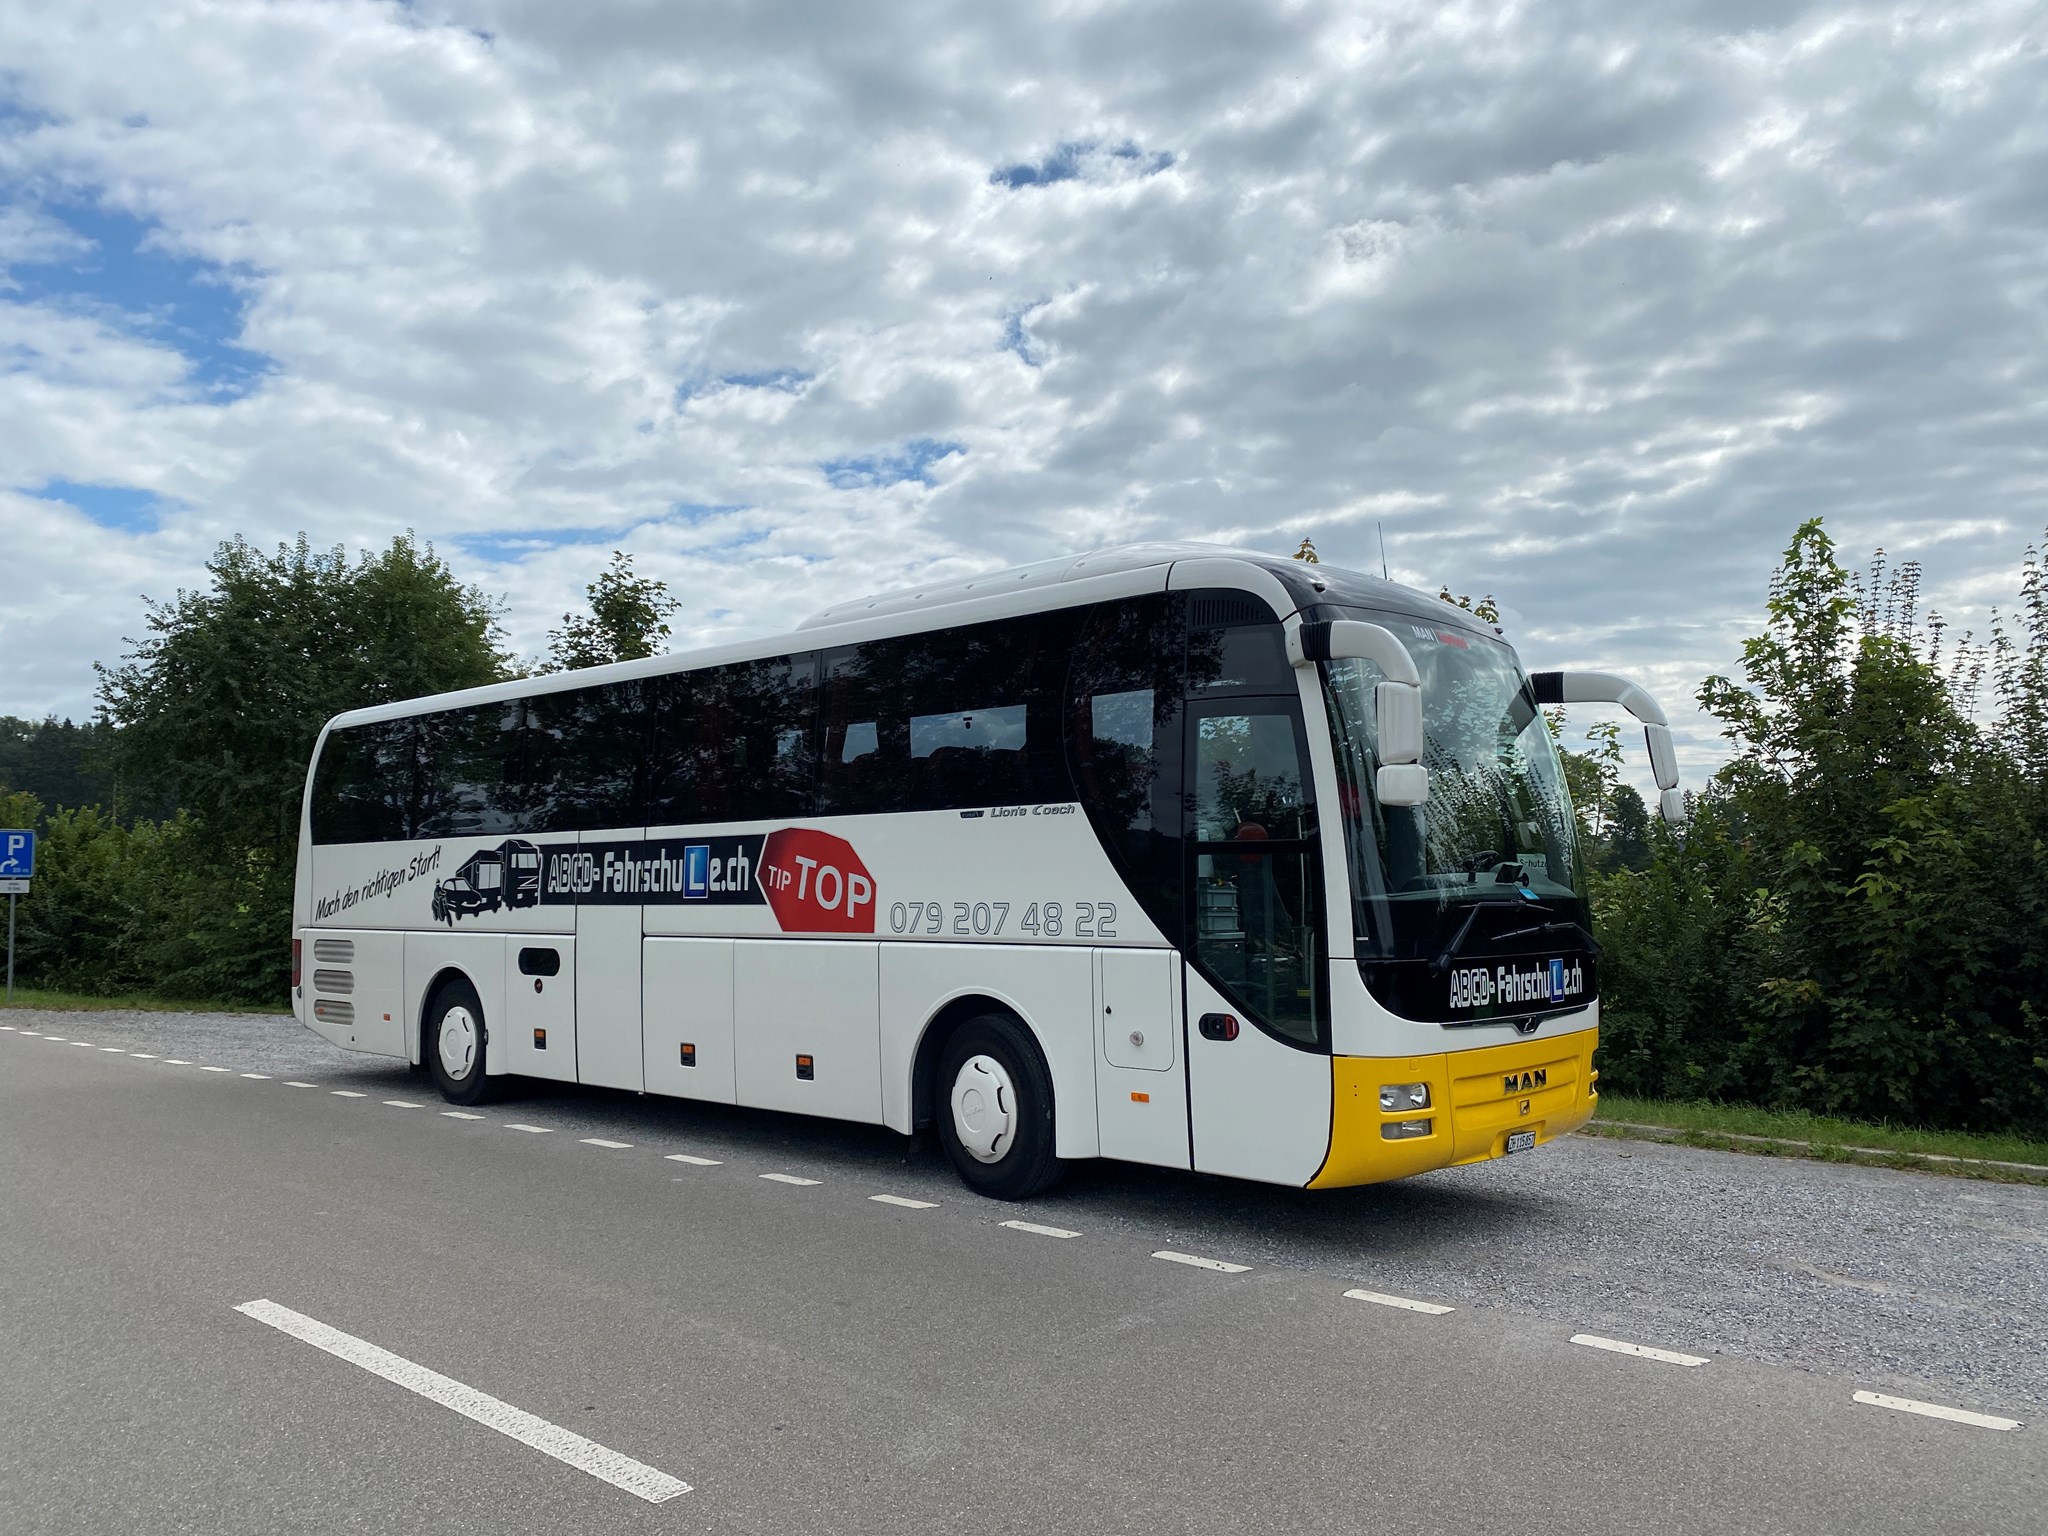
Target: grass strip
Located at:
point(139, 1002)
point(1781, 1133)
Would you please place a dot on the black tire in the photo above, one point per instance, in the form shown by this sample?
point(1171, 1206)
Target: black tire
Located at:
point(1023, 1164)
point(470, 1084)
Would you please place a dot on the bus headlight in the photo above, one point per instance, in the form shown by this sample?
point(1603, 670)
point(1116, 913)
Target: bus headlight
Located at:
point(1399, 1096)
point(1402, 1130)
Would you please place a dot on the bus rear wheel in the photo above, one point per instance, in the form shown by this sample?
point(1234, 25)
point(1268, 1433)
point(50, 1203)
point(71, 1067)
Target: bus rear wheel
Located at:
point(455, 1044)
point(994, 1109)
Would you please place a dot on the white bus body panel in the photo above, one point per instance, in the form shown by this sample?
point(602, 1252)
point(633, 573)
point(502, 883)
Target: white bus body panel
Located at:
point(374, 994)
point(688, 997)
point(609, 1052)
point(1142, 1108)
point(480, 957)
point(810, 997)
point(1050, 989)
point(1261, 1108)
point(550, 1006)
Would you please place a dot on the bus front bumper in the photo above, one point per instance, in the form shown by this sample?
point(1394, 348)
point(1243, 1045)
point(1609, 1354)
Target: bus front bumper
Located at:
point(1477, 1099)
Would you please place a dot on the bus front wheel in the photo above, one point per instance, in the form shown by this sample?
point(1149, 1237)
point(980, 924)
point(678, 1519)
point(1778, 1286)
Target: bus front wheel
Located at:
point(995, 1109)
point(455, 1044)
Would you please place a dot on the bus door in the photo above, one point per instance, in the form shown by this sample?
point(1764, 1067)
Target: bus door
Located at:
point(1257, 970)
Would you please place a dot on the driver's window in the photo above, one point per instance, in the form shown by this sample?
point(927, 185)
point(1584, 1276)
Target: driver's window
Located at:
point(1258, 897)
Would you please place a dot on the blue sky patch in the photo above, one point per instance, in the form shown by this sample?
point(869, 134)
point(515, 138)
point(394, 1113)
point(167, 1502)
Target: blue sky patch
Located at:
point(193, 306)
point(1067, 163)
point(123, 507)
point(913, 461)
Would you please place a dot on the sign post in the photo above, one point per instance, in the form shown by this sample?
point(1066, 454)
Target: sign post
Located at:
point(17, 868)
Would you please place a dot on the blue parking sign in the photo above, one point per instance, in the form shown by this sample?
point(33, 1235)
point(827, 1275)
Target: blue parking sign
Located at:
point(17, 854)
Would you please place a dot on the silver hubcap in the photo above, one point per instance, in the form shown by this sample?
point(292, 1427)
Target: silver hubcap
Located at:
point(457, 1043)
point(984, 1109)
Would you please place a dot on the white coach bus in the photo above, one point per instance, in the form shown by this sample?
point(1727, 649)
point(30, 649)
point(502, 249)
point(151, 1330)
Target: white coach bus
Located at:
point(1165, 853)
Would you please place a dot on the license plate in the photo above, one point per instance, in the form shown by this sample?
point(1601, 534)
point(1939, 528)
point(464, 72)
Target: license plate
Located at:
point(1520, 1141)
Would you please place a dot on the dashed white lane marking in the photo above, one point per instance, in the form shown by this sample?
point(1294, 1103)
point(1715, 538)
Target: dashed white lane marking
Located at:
point(173, 1061)
point(263, 1077)
point(401, 1103)
point(1195, 1261)
point(1032, 1226)
point(537, 1130)
point(1640, 1351)
point(1402, 1302)
point(289, 1083)
point(347, 1093)
point(53, 1037)
point(460, 1114)
point(216, 1069)
point(142, 1055)
point(599, 1141)
point(908, 1205)
point(1936, 1411)
point(34, 1032)
point(83, 1045)
point(695, 1162)
point(110, 1047)
point(636, 1477)
point(786, 1178)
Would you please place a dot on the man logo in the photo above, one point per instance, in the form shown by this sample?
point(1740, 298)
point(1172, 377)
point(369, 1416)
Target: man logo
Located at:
point(1524, 1082)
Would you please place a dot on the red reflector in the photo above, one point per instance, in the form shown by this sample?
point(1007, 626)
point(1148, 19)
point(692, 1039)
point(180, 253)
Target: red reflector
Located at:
point(298, 960)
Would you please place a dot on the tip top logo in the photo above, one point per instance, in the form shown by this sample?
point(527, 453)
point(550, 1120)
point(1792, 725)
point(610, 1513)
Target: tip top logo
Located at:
point(816, 883)
point(1510, 985)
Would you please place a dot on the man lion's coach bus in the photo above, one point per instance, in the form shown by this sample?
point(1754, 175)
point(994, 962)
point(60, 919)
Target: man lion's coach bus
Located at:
point(1165, 853)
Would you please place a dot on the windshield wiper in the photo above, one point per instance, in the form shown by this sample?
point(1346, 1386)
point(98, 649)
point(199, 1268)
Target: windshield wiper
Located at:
point(1592, 944)
point(1450, 951)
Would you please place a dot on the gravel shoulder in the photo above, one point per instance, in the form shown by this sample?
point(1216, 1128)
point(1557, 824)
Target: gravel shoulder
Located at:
point(1912, 1283)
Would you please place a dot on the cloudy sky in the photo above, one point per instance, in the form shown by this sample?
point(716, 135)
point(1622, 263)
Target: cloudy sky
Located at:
point(1587, 303)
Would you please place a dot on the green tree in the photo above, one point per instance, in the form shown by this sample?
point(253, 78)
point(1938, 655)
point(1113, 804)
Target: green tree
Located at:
point(218, 706)
point(627, 620)
point(56, 761)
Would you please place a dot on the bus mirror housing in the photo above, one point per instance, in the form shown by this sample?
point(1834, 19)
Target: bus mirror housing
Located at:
point(1606, 688)
point(1397, 702)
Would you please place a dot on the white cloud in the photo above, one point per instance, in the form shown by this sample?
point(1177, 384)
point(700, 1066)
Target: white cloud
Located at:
point(1588, 305)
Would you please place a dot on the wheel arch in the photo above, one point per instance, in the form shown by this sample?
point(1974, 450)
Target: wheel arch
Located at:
point(436, 984)
point(939, 1028)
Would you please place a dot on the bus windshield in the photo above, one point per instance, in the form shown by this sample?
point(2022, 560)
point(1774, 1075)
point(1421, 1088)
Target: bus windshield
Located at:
point(1498, 825)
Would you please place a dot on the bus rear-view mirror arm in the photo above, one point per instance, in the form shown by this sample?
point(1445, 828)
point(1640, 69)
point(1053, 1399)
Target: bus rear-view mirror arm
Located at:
point(1606, 688)
point(1397, 702)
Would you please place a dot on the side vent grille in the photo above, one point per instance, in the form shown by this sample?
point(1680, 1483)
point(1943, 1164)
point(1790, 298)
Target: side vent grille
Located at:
point(1227, 612)
point(341, 982)
point(333, 1011)
point(335, 951)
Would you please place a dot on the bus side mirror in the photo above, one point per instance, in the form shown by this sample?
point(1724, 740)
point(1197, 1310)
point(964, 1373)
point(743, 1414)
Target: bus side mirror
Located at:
point(1606, 688)
point(1671, 803)
point(1397, 702)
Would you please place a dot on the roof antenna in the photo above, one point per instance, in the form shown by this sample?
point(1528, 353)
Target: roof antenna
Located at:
point(1383, 551)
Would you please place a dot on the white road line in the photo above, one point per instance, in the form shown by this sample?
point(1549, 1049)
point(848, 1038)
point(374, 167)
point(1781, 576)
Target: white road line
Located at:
point(1640, 1351)
point(1200, 1263)
point(142, 1055)
point(110, 1047)
point(401, 1103)
point(1936, 1411)
point(53, 1037)
point(635, 1477)
point(1032, 1226)
point(599, 1141)
point(1399, 1301)
point(259, 1076)
point(787, 1178)
point(291, 1084)
point(538, 1130)
point(36, 1032)
point(908, 1205)
point(173, 1061)
point(216, 1069)
point(460, 1114)
point(695, 1162)
point(347, 1093)
point(83, 1045)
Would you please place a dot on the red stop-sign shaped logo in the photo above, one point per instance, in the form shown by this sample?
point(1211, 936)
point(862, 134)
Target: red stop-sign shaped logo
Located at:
point(816, 883)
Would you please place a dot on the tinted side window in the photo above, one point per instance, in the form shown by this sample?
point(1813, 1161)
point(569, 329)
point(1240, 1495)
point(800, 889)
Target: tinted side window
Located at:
point(363, 784)
point(734, 743)
point(472, 759)
point(586, 759)
point(953, 718)
point(1123, 709)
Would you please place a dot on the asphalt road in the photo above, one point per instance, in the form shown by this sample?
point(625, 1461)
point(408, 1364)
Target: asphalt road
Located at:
point(807, 1358)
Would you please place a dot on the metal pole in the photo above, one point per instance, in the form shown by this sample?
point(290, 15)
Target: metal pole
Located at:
point(11, 899)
